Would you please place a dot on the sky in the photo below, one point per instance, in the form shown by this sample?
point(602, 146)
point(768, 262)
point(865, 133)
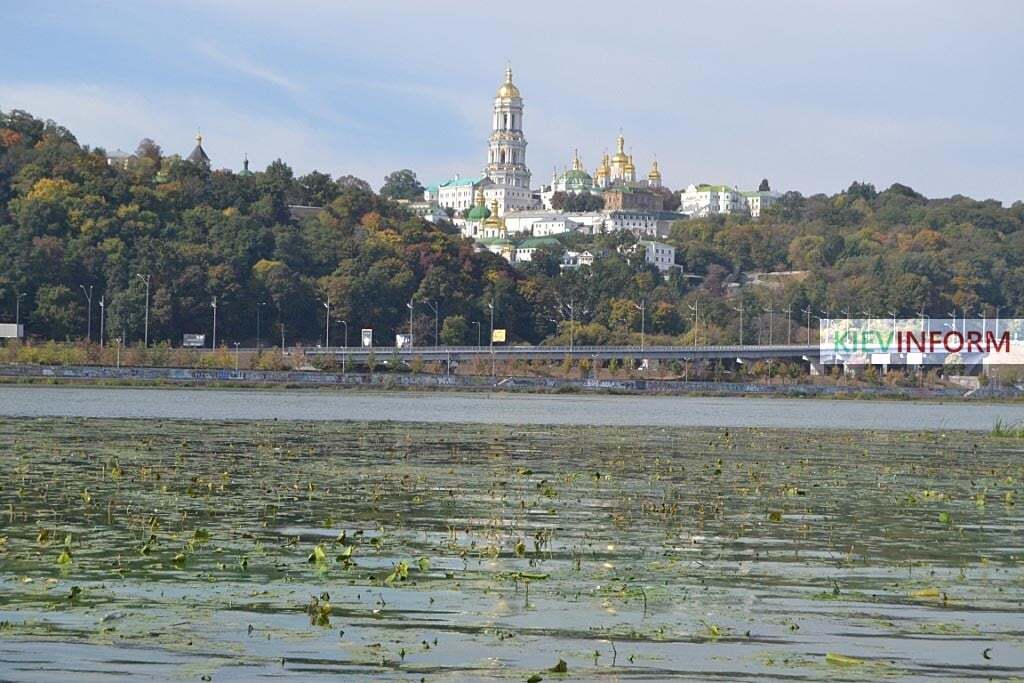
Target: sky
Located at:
point(810, 94)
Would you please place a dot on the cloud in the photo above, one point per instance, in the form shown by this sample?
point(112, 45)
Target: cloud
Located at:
point(243, 65)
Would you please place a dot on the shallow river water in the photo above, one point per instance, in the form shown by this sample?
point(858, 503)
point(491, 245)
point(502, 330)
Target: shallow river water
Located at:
point(501, 408)
point(241, 551)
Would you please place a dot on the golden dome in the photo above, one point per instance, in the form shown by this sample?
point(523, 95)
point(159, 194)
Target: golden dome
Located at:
point(508, 89)
point(655, 174)
point(620, 158)
point(577, 165)
point(629, 163)
point(493, 219)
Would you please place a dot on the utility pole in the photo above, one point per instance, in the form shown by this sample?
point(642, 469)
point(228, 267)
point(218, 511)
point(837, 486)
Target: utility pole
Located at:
point(88, 298)
point(771, 322)
point(103, 310)
point(642, 307)
point(236, 356)
point(808, 312)
point(789, 325)
point(145, 278)
point(479, 334)
point(213, 305)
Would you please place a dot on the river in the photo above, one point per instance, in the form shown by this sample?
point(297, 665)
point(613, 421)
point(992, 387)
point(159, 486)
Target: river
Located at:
point(499, 408)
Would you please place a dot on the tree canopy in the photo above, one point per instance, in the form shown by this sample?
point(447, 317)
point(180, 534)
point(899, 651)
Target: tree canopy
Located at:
point(69, 219)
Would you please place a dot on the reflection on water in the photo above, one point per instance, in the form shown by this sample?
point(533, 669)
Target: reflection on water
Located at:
point(250, 551)
point(500, 408)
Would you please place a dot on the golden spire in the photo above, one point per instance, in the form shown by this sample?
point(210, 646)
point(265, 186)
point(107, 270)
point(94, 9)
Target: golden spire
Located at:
point(655, 174)
point(508, 89)
point(620, 158)
point(493, 219)
point(577, 165)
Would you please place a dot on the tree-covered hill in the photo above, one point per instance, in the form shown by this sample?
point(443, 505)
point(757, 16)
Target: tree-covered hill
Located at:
point(69, 219)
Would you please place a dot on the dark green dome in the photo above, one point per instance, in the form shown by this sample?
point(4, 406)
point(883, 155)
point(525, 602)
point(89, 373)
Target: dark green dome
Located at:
point(478, 213)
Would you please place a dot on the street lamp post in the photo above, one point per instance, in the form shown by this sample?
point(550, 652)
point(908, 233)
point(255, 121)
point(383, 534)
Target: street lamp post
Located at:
point(236, 356)
point(259, 305)
point(119, 352)
point(695, 308)
point(145, 278)
point(103, 310)
point(17, 307)
point(213, 305)
point(479, 334)
point(572, 324)
point(327, 323)
point(88, 298)
point(771, 325)
point(491, 307)
point(789, 325)
point(411, 306)
point(808, 312)
point(642, 307)
point(344, 355)
point(740, 310)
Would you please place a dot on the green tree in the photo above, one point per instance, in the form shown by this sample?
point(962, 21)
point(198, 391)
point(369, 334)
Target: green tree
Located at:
point(455, 330)
point(402, 185)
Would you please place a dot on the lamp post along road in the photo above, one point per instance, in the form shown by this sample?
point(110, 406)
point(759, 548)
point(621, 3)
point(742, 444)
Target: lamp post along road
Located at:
point(327, 322)
point(145, 278)
point(491, 306)
point(344, 355)
point(808, 312)
point(259, 305)
point(740, 309)
point(88, 298)
point(479, 334)
point(411, 306)
point(236, 356)
point(789, 325)
point(642, 307)
point(17, 307)
point(213, 305)
point(103, 310)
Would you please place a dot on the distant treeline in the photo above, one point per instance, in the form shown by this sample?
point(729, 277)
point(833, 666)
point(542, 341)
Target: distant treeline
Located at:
point(70, 220)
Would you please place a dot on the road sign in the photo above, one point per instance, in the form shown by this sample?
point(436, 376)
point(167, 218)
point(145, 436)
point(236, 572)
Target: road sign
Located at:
point(11, 331)
point(194, 341)
point(403, 341)
point(368, 337)
point(498, 335)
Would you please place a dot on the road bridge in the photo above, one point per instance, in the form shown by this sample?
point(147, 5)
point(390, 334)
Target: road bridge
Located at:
point(751, 353)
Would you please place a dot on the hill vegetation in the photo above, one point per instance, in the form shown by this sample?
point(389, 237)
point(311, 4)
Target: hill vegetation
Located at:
point(69, 219)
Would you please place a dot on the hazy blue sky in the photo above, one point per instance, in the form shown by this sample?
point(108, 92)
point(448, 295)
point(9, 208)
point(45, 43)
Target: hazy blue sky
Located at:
point(810, 94)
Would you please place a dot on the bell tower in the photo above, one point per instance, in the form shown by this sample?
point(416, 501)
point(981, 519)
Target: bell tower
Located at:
point(506, 151)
